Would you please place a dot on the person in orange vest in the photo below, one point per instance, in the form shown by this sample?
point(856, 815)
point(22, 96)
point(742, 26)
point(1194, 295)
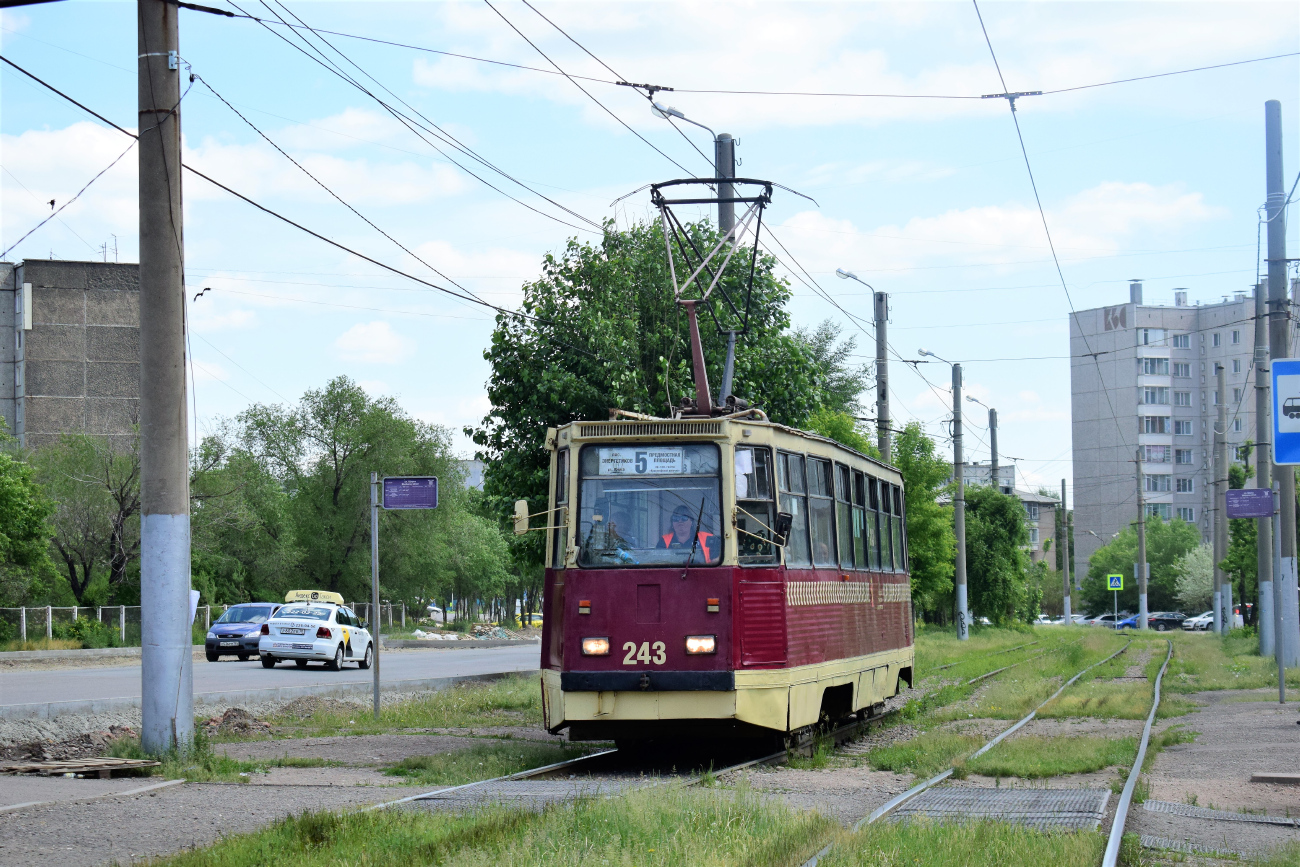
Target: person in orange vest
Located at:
point(683, 534)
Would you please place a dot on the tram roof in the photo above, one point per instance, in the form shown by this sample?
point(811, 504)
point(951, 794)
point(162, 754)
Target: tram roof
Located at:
point(725, 428)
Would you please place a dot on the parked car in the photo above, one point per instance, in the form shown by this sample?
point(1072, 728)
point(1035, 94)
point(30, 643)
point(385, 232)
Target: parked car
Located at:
point(1045, 619)
point(321, 630)
point(1107, 620)
point(1201, 622)
point(236, 632)
point(1160, 621)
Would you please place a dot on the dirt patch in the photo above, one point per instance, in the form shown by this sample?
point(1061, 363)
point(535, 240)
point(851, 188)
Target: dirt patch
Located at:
point(351, 750)
point(324, 777)
point(236, 722)
point(82, 746)
point(305, 707)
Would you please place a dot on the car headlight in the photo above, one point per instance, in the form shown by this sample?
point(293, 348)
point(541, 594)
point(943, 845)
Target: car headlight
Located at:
point(696, 644)
point(212, 635)
point(595, 647)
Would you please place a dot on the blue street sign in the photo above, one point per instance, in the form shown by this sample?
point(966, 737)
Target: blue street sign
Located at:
point(1286, 411)
point(1250, 503)
point(1114, 582)
point(411, 492)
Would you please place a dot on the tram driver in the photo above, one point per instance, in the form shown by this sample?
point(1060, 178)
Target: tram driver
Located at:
point(682, 533)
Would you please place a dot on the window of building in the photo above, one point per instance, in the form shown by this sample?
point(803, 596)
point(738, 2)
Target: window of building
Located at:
point(1155, 396)
point(1236, 336)
point(1155, 366)
point(1183, 428)
point(1158, 510)
point(1236, 365)
point(1182, 398)
point(1236, 395)
point(1033, 537)
point(1214, 398)
point(1215, 339)
point(1187, 513)
point(1151, 336)
point(1182, 456)
point(1183, 369)
point(1236, 425)
point(1156, 483)
point(1032, 509)
point(1182, 341)
point(1156, 454)
point(1184, 486)
point(1154, 424)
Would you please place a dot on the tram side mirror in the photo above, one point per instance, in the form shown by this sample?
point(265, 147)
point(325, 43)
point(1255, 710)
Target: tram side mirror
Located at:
point(521, 517)
point(784, 520)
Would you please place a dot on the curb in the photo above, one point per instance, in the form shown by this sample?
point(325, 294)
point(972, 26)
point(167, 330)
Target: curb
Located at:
point(467, 644)
point(95, 653)
point(52, 709)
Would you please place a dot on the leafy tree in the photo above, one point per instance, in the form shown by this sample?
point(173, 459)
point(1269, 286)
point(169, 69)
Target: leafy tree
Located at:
point(1194, 579)
point(931, 542)
point(322, 452)
point(1167, 543)
point(1241, 565)
point(95, 484)
point(997, 566)
point(24, 534)
point(841, 427)
point(601, 329)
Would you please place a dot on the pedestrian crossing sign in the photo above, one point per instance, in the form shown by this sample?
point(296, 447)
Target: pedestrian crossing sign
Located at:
point(1114, 582)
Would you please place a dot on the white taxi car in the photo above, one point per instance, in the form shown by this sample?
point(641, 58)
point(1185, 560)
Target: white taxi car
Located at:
point(315, 625)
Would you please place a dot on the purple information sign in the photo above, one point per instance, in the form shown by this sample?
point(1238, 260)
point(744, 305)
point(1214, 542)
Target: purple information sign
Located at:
point(1250, 503)
point(411, 492)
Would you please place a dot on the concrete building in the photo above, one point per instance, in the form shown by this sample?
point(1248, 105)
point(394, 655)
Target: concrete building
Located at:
point(1142, 377)
point(1040, 520)
point(70, 356)
point(980, 473)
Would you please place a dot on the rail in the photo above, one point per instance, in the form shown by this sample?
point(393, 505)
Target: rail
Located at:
point(1126, 797)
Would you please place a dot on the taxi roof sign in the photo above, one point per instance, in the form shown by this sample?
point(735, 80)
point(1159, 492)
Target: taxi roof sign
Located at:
point(313, 596)
point(1114, 582)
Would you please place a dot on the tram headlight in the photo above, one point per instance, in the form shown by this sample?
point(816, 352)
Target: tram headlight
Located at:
point(697, 644)
point(595, 647)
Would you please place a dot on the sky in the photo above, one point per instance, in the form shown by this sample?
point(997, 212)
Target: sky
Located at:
point(923, 196)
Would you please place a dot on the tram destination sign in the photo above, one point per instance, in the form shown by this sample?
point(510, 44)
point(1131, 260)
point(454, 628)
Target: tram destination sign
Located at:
point(410, 492)
point(632, 461)
point(1250, 503)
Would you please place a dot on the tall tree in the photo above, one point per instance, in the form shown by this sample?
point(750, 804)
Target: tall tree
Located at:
point(322, 451)
point(24, 534)
point(1167, 543)
point(997, 564)
point(931, 542)
point(602, 329)
point(1241, 564)
point(1194, 579)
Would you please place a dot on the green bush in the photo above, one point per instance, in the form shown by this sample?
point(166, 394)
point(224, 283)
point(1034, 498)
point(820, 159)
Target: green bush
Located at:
point(91, 633)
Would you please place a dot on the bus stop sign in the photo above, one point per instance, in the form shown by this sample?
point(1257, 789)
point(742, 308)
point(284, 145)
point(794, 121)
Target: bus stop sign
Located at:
point(1286, 411)
point(410, 492)
point(1250, 503)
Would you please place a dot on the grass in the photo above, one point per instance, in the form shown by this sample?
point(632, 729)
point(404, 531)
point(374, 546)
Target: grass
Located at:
point(924, 755)
point(820, 759)
point(1032, 757)
point(658, 826)
point(936, 646)
point(480, 762)
point(962, 844)
point(42, 644)
point(511, 701)
point(1208, 662)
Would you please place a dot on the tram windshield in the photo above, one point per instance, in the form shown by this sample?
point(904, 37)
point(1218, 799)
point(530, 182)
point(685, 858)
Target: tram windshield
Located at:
point(648, 505)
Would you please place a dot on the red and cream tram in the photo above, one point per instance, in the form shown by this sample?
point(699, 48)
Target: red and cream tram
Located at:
point(677, 604)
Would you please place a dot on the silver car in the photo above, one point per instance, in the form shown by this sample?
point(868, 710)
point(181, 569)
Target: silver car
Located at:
point(315, 631)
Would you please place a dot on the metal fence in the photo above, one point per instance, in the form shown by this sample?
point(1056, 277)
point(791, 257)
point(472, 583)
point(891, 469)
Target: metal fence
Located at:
point(50, 622)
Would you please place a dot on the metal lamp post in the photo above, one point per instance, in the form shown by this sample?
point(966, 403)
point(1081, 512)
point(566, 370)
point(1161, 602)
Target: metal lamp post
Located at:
point(880, 311)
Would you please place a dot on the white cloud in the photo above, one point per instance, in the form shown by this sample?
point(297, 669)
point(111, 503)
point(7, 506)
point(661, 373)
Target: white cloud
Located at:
point(209, 371)
point(374, 343)
point(374, 387)
point(204, 319)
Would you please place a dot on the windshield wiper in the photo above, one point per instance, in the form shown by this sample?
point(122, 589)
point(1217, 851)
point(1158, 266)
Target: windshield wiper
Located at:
point(695, 543)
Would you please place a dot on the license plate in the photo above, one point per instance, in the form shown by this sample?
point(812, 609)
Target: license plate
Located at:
point(302, 647)
point(230, 644)
point(284, 631)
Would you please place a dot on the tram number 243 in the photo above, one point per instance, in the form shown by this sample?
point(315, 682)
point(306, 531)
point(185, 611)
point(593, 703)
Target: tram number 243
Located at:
point(642, 653)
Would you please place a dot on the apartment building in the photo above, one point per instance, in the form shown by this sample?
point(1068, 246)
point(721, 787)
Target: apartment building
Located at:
point(1142, 388)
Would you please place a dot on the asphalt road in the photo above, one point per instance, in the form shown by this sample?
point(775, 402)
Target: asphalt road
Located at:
point(75, 684)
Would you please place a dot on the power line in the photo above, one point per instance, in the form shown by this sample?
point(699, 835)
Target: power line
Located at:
point(583, 89)
point(1167, 74)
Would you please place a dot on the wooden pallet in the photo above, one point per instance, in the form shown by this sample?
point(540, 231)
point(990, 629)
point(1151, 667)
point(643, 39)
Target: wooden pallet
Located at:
point(103, 767)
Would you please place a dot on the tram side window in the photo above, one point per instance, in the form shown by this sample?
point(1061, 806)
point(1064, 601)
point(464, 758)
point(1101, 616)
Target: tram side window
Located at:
point(859, 519)
point(873, 514)
point(886, 533)
point(560, 535)
point(794, 500)
point(821, 512)
point(843, 521)
point(900, 557)
point(755, 508)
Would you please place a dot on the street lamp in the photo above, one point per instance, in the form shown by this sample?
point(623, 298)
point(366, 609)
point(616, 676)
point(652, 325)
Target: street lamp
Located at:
point(724, 169)
point(880, 309)
point(993, 443)
point(959, 501)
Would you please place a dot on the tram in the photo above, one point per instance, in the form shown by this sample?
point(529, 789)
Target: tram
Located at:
point(716, 575)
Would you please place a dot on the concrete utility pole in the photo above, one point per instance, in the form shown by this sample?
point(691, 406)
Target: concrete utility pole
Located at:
point(1263, 463)
point(1140, 567)
point(1279, 338)
point(167, 705)
point(883, 434)
point(993, 449)
point(724, 167)
point(1220, 498)
point(1063, 545)
point(374, 582)
point(959, 508)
